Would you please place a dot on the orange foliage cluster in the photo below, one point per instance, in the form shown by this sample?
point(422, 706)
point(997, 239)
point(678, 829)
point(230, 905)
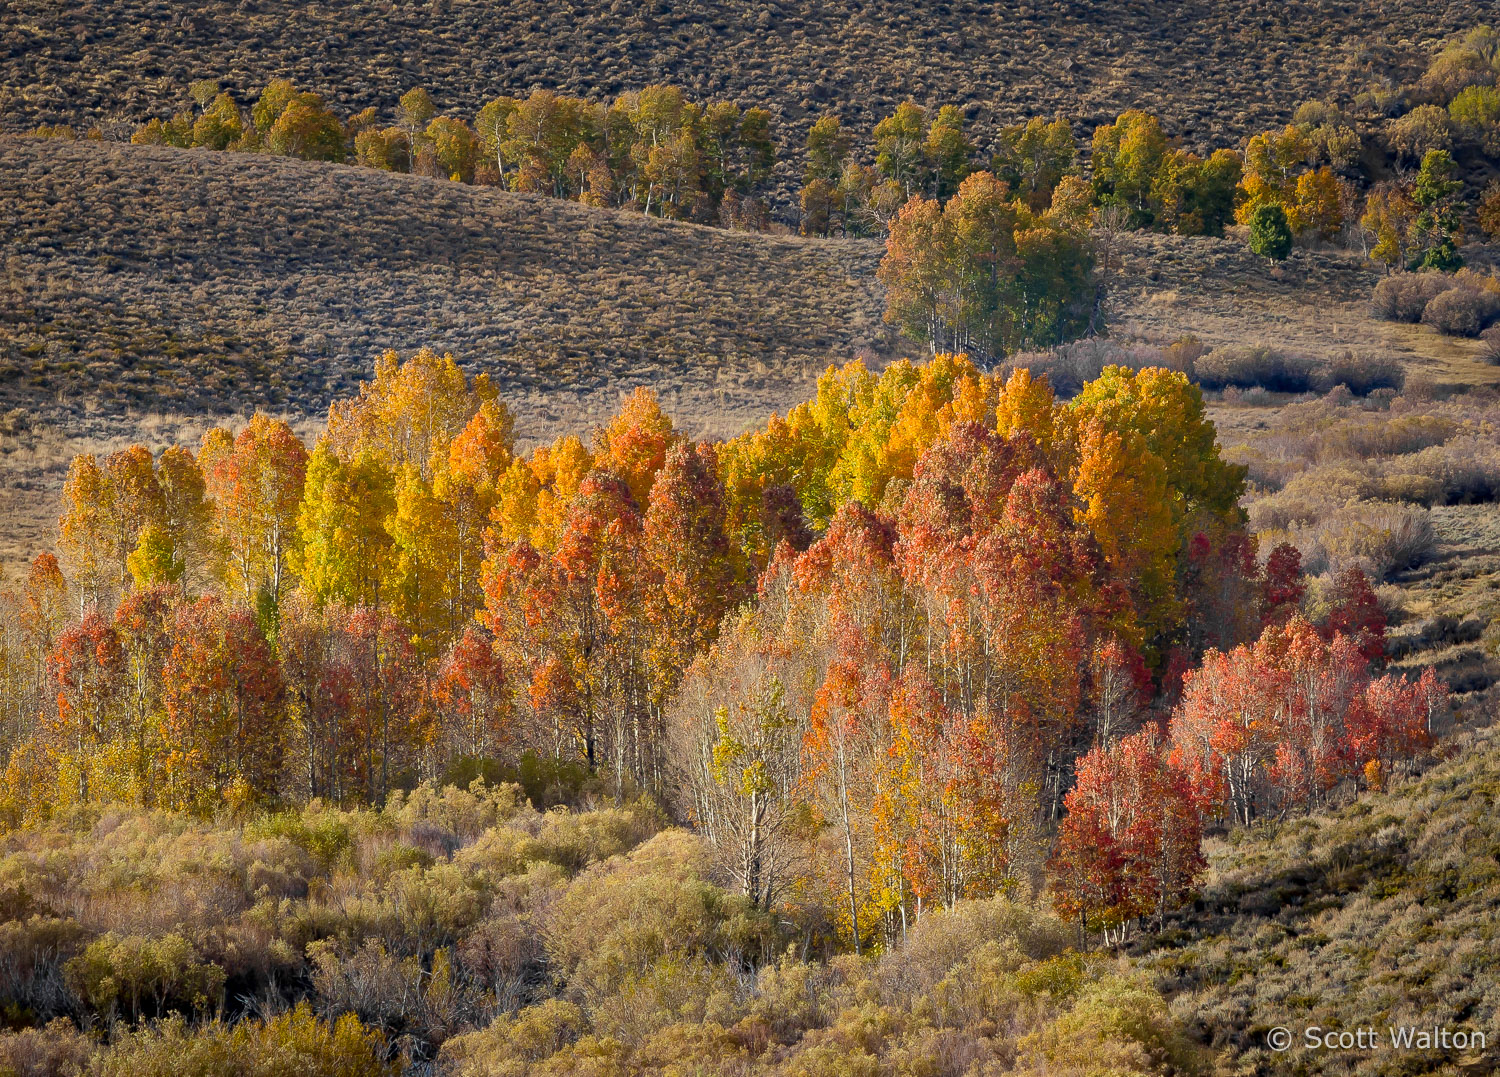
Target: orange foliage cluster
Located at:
point(872, 650)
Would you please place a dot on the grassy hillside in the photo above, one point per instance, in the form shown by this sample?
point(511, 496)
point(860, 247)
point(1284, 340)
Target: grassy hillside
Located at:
point(1317, 303)
point(1381, 913)
point(1205, 66)
point(180, 281)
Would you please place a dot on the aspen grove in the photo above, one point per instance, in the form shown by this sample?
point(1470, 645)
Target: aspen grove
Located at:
point(934, 634)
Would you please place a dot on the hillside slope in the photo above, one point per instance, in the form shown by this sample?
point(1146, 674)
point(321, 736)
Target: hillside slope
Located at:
point(1382, 913)
point(1217, 69)
point(145, 277)
point(1316, 303)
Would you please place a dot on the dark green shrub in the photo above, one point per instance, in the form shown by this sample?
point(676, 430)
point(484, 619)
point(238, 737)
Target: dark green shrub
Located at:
point(1270, 234)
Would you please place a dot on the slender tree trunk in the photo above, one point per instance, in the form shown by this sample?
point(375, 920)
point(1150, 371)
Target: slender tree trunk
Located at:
point(752, 852)
point(848, 848)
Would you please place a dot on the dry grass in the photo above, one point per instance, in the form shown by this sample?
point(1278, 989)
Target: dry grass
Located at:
point(1316, 304)
point(191, 281)
point(1352, 480)
point(1381, 913)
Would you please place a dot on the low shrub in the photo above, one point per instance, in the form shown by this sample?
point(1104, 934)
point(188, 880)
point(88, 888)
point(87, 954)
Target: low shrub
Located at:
point(503, 954)
point(1410, 486)
point(1362, 375)
point(1444, 630)
point(1459, 305)
point(1309, 496)
point(572, 840)
point(430, 811)
point(1248, 367)
point(377, 986)
point(505, 850)
point(55, 1049)
point(1490, 351)
point(621, 916)
point(1469, 669)
point(1461, 311)
point(293, 1044)
point(1402, 297)
point(134, 973)
point(1119, 1025)
point(324, 835)
point(1362, 436)
point(1466, 470)
point(529, 1036)
point(1069, 367)
point(32, 954)
point(674, 990)
point(1382, 536)
point(942, 940)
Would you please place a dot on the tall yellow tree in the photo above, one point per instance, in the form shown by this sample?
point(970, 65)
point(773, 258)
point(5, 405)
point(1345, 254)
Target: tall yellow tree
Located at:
point(466, 486)
point(1166, 455)
point(1027, 406)
point(533, 494)
point(1317, 205)
point(347, 553)
point(257, 491)
point(1273, 161)
point(84, 530)
point(421, 583)
point(186, 513)
point(105, 510)
point(1124, 502)
point(410, 412)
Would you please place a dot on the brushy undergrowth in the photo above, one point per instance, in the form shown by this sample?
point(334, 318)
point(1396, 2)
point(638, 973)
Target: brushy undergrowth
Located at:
point(464, 932)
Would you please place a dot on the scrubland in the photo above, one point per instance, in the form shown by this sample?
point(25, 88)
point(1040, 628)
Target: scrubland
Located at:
point(1381, 913)
point(1207, 65)
point(470, 933)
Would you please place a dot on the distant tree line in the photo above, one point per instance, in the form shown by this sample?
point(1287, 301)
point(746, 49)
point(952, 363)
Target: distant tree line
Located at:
point(658, 151)
point(988, 249)
point(652, 150)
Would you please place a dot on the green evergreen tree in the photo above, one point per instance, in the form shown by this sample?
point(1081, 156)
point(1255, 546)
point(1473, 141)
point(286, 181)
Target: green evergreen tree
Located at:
point(1270, 234)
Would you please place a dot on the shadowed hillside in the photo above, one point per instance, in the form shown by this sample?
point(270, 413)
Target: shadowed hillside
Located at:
point(144, 277)
point(1216, 70)
point(1379, 914)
